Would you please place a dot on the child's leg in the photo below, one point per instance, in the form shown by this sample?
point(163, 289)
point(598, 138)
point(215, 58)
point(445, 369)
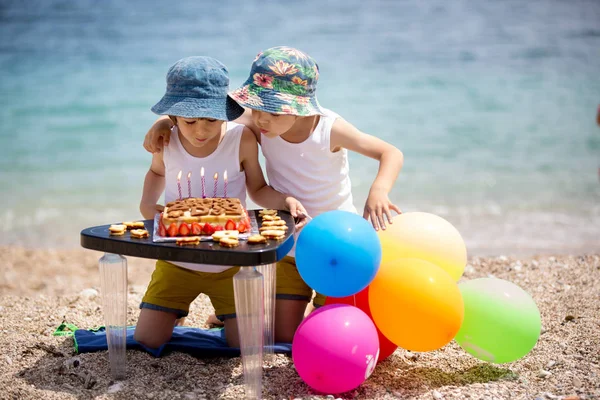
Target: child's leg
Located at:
point(292, 296)
point(219, 288)
point(168, 297)
point(154, 328)
point(288, 316)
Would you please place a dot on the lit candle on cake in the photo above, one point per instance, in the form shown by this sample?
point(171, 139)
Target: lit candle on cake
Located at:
point(189, 184)
point(216, 178)
point(202, 179)
point(225, 187)
point(179, 183)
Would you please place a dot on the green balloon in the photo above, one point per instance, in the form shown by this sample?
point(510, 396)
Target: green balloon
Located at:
point(502, 322)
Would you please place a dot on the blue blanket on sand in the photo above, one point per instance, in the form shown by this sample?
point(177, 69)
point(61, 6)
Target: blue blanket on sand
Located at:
point(194, 341)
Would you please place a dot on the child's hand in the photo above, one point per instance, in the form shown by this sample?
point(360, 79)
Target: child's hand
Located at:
point(149, 210)
point(158, 136)
point(378, 204)
point(297, 210)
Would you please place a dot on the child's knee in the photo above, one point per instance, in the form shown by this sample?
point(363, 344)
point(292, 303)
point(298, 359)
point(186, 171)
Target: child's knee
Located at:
point(152, 340)
point(231, 332)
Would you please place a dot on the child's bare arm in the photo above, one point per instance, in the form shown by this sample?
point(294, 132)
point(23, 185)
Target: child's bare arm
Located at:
point(158, 135)
point(246, 119)
point(154, 185)
point(345, 135)
point(261, 193)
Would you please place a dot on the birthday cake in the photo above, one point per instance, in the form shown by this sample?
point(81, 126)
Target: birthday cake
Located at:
point(203, 216)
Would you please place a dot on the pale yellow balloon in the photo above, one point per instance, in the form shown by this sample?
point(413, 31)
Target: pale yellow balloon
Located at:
point(427, 237)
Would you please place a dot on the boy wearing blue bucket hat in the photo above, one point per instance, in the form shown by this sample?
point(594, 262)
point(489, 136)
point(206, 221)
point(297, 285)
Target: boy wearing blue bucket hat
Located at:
point(306, 150)
point(202, 139)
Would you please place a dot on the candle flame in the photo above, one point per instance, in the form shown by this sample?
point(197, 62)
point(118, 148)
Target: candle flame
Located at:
point(225, 175)
point(216, 176)
point(179, 176)
point(202, 171)
point(189, 175)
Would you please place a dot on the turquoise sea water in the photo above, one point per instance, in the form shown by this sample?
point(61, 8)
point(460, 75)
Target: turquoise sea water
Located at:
point(493, 104)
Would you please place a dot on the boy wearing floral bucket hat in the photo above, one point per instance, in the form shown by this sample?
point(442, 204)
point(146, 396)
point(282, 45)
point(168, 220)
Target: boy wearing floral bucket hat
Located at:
point(198, 105)
point(306, 151)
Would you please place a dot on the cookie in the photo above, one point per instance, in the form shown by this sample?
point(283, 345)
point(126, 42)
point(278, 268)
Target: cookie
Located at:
point(134, 225)
point(268, 217)
point(229, 241)
point(273, 234)
point(218, 235)
point(257, 239)
point(274, 223)
point(117, 230)
point(267, 212)
point(139, 233)
point(188, 241)
point(273, 228)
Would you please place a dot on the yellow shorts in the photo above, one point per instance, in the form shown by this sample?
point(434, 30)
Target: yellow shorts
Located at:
point(172, 289)
point(291, 286)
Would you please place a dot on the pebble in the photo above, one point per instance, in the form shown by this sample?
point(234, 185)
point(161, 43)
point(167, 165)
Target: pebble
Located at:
point(8, 360)
point(190, 396)
point(550, 396)
point(518, 267)
point(115, 387)
point(89, 293)
point(550, 364)
point(577, 382)
point(544, 374)
point(437, 395)
point(412, 356)
point(502, 258)
point(27, 319)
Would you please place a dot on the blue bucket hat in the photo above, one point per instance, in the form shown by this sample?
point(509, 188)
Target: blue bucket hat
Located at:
point(197, 88)
point(282, 80)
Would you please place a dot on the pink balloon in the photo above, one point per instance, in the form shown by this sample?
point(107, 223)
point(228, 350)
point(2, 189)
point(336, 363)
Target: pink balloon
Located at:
point(335, 348)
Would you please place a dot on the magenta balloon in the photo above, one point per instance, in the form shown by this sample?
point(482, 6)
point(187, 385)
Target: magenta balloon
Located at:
point(335, 348)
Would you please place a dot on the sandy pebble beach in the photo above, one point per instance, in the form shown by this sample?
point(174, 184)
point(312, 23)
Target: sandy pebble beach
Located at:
point(41, 288)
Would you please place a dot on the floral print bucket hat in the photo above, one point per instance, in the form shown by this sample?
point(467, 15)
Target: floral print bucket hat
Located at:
point(282, 80)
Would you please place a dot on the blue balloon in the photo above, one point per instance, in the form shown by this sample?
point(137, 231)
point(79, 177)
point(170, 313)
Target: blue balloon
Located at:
point(338, 253)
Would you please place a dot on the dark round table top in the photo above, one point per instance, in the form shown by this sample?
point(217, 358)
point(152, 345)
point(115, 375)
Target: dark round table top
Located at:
point(207, 252)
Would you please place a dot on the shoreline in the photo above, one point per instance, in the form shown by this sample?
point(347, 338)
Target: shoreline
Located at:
point(41, 288)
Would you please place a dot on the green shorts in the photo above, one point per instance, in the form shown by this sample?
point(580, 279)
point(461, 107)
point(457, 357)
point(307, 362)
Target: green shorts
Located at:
point(291, 286)
point(173, 289)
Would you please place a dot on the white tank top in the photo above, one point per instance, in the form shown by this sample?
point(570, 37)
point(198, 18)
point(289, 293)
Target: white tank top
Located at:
point(310, 171)
point(226, 157)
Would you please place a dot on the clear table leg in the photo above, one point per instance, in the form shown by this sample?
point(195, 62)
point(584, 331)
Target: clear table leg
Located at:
point(248, 289)
point(269, 272)
point(113, 284)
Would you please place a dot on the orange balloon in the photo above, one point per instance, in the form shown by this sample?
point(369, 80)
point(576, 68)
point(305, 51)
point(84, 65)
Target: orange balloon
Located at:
point(416, 304)
point(427, 237)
